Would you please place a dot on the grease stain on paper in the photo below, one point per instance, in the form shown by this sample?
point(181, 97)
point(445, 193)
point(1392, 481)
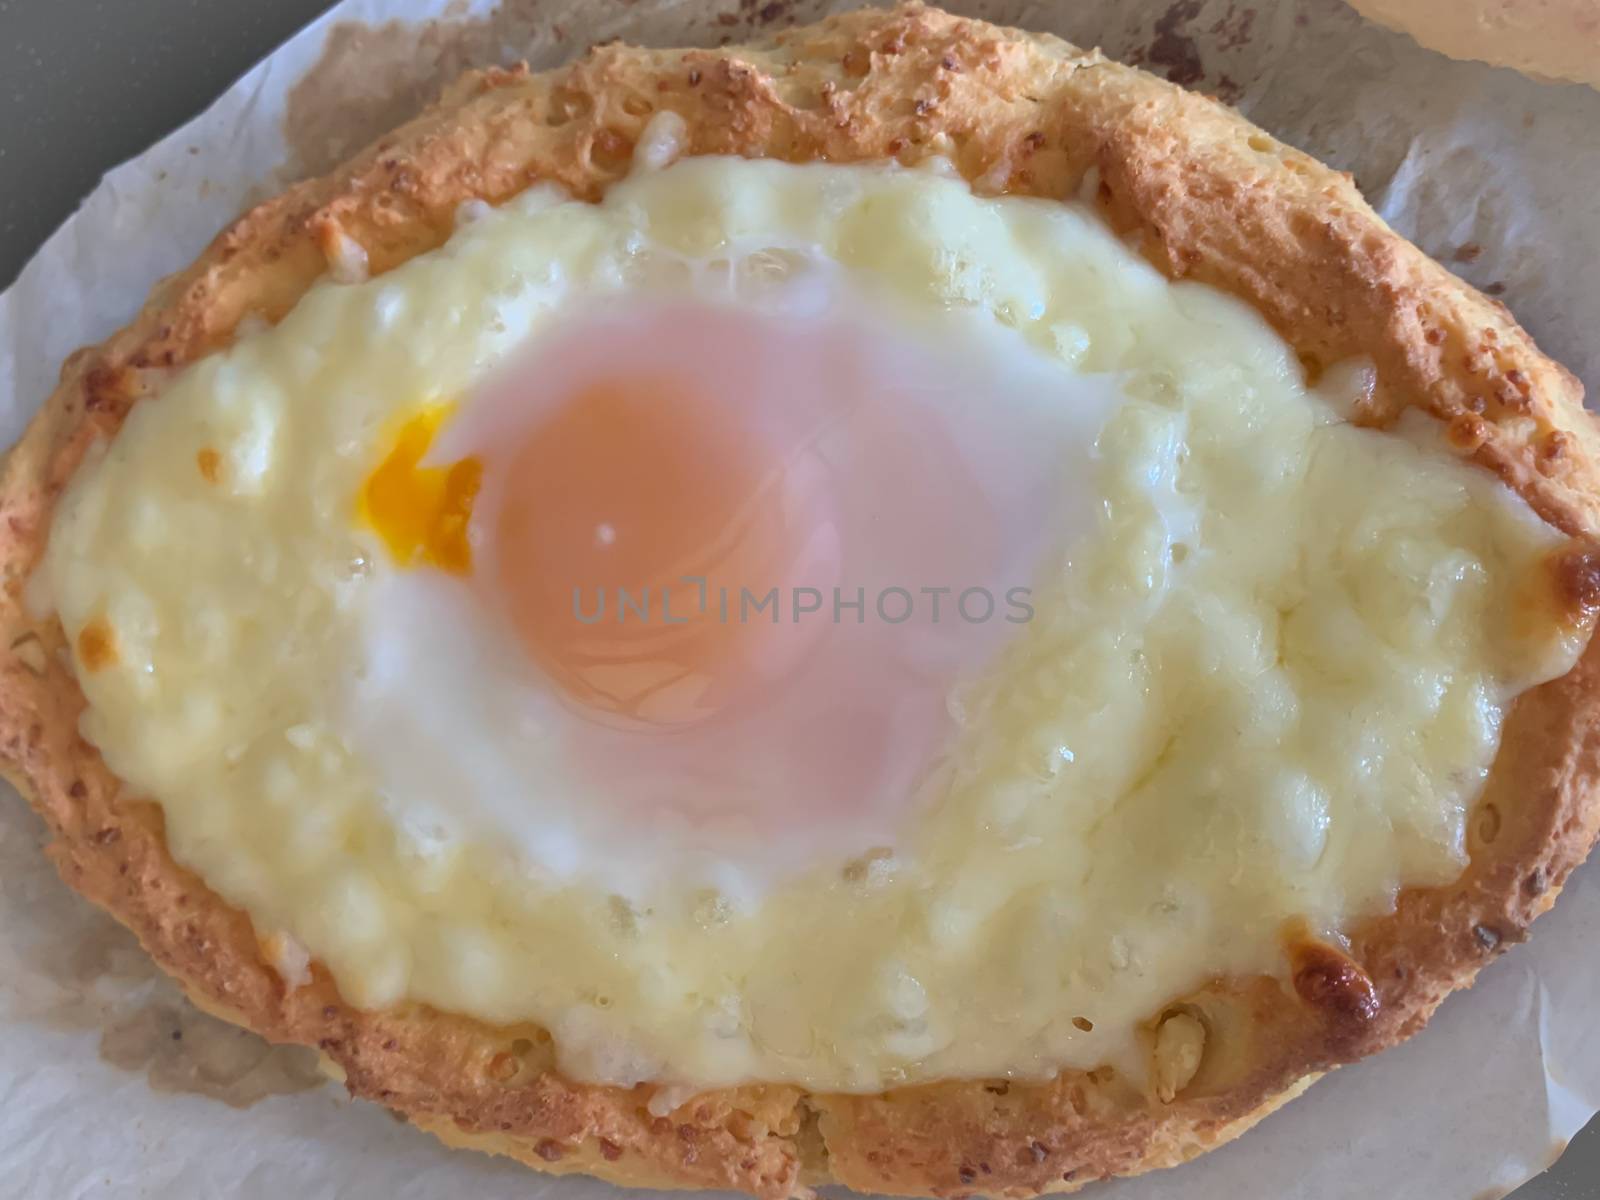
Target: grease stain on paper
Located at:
point(67, 966)
point(181, 1049)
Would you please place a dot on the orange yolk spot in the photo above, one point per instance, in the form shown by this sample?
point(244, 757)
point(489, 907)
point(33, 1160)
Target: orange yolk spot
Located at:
point(630, 492)
point(422, 512)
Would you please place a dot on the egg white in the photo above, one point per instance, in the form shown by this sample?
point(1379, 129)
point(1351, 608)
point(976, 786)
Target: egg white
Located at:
point(472, 742)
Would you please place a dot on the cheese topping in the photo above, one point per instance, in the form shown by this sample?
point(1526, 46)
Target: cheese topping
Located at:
point(1268, 684)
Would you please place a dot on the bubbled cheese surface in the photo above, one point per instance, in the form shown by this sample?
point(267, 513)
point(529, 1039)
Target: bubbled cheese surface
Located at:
point(1265, 683)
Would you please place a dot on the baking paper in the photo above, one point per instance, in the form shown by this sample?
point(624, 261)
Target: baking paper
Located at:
point(111, 1086)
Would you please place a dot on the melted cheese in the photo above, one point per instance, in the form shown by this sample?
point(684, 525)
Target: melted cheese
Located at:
point(1267, 686)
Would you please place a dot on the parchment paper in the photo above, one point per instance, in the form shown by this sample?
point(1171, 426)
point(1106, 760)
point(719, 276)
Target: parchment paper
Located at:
point(111, 1086)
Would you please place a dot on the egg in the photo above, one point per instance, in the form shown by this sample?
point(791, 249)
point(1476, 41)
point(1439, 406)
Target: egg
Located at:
point(721, 556)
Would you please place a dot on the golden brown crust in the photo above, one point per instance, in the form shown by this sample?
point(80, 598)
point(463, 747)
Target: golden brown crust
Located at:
point(1209, 197)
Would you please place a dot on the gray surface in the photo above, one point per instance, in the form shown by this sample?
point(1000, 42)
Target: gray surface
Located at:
point(85, 84)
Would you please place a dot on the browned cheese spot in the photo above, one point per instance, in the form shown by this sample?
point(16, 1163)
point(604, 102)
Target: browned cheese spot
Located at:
point(1332, 983)
point(97, 645)
point(1576, 574)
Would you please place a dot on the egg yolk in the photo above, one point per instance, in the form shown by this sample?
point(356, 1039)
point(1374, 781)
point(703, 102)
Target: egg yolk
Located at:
point(636, 527)
point(643, 543)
